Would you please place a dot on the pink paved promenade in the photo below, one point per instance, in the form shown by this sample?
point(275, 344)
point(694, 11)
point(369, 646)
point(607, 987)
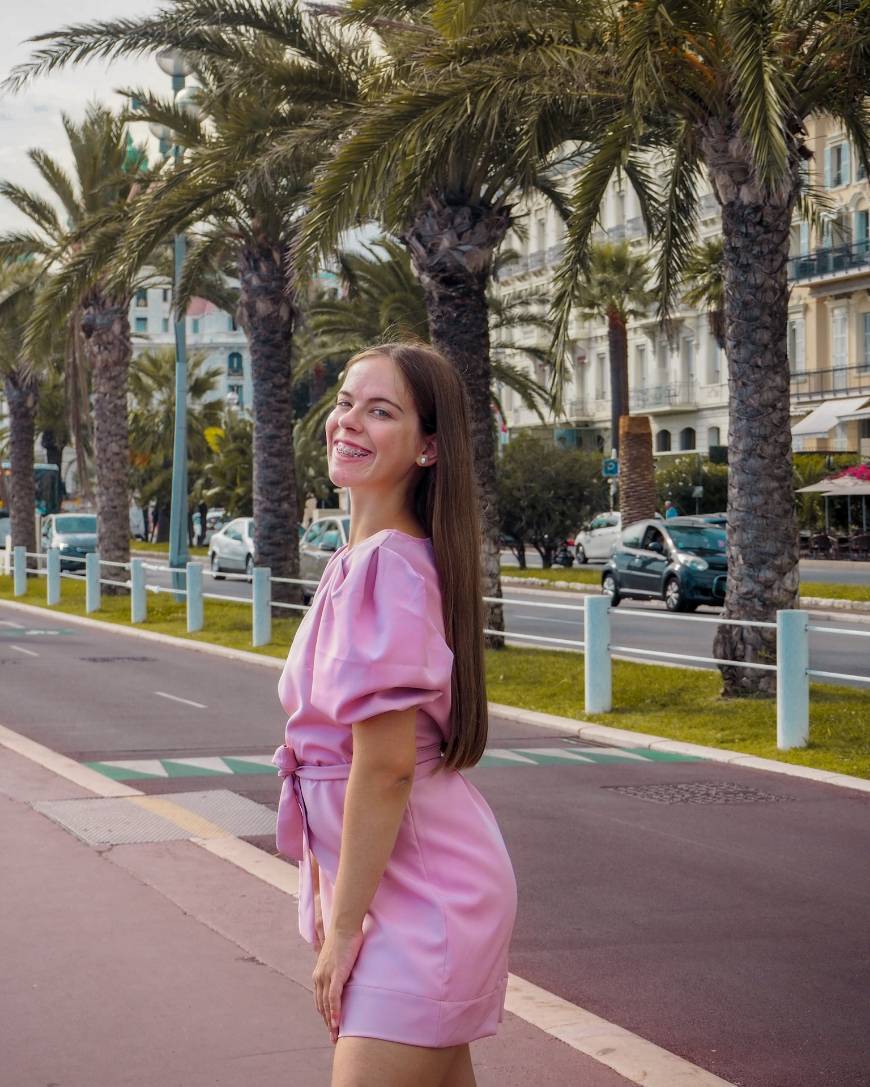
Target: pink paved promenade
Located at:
point(161, 965)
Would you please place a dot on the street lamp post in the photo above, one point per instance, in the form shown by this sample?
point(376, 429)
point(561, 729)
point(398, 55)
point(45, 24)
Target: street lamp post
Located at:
point(173, 63)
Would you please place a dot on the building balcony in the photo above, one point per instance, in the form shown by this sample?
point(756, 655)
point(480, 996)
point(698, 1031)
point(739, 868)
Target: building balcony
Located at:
point(833, 262)
point(831, 383)
point(676, 394)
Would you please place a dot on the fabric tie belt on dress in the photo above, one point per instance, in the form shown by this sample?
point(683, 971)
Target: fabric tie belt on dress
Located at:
point(291, 834)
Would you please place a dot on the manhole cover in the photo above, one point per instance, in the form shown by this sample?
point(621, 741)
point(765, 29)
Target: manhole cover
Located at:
point(698, 792)
point(112, 660)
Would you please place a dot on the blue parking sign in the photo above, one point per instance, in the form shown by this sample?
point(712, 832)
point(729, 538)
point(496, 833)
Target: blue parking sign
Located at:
point(610, 467)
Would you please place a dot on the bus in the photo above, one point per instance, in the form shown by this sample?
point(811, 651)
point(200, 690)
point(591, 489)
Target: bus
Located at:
point(47, 480)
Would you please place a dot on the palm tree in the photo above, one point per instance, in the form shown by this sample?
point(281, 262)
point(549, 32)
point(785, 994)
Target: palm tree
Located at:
point(380, 298)
point(152, 377)
point(419, 162)
point(107, 172)
point(704, 282)
point(277, 86)
point(21, 389)
point(722, 87)
point(615, 288)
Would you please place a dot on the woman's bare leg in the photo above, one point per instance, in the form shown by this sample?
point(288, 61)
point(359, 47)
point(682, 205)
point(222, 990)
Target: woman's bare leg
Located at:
point(460, 1073)
point(372, 1062)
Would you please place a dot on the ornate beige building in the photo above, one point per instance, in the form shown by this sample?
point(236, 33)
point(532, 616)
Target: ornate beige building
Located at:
point(682, 383)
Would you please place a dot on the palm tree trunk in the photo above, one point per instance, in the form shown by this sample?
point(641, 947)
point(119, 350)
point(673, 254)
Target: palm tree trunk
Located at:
point(762, 541)
point(22, 394)
point(451, 248)
point(105, 326)
point(269, 318)
point(617, 342)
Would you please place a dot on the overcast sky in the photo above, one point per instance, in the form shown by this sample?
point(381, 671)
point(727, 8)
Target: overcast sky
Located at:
point(31, 118)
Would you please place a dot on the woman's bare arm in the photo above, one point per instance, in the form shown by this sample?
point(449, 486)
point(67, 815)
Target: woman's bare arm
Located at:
point(381, 776)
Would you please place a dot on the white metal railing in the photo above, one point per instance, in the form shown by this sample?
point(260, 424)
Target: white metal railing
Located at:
point(792, 627)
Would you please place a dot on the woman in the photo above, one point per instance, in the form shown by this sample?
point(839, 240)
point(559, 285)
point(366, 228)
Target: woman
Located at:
point(406, 888)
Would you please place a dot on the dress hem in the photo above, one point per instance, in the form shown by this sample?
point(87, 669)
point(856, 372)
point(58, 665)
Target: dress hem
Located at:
point(419, 1020)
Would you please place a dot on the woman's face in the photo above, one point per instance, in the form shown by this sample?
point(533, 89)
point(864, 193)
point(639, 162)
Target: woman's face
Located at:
point(373, 434)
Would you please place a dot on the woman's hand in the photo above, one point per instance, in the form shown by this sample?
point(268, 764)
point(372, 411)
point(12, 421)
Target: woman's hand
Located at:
point(334, 964)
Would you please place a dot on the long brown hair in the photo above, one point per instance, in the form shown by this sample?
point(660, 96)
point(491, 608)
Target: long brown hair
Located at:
point(446, 503)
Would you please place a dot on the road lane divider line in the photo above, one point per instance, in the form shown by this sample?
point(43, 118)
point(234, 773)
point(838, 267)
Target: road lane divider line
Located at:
point(636, 1059)
point(26, 652)
point(7, 623)
point(186, 701)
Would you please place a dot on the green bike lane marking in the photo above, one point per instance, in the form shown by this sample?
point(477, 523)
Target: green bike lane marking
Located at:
point(224, 765)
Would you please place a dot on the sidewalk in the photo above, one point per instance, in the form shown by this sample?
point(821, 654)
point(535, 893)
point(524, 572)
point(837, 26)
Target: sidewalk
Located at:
point(162, 963)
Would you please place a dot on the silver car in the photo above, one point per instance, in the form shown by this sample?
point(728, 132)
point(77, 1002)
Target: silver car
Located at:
point(321, 540)
point(73, 534)
point(231, 548)
point(597, 539)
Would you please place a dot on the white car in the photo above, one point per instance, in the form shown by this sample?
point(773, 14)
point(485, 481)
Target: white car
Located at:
point(596, 539)
point(232, 547)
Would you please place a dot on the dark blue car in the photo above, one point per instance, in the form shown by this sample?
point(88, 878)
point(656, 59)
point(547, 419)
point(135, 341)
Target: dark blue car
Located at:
point(680, 560)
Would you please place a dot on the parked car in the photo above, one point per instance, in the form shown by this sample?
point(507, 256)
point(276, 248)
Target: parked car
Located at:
point(597, 539)
point(231, 548)
point(680, 560)
point(720, 519)
point(320, 542)
point(73, 534)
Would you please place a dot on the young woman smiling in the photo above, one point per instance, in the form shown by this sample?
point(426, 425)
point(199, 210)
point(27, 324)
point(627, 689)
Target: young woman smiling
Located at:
point(406, 888)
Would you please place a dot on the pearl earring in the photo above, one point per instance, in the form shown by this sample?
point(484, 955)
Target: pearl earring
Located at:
point(423, 459)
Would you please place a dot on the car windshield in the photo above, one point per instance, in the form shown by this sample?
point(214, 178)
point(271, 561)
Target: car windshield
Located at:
point(75, 523)
point(697, 538)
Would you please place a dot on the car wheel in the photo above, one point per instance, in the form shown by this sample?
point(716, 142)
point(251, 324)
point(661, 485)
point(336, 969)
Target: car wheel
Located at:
point(611, 589)
point(249, 565)
point(674, 595)
point(215, 566)
point(580, 554)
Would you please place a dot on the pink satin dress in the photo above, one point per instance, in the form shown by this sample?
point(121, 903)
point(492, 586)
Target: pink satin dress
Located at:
point(433, 966)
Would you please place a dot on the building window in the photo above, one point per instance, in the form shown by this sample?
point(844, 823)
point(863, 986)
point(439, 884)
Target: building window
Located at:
point(541, 234)
point(141, 324)
point(640, 364)
point(687, 438)
point(796, 346)
point(165, 294)
point(865, 341)
point(234, 363)
point(194, 325)
point(861, 232)
point(141, 299)
point(837, 165)
point(165, 324)
point(663, 441)
point(713, 436)
point(600, 375)
point(839, 336)
point(232, 324)
point(664, 352)
point(238, 392)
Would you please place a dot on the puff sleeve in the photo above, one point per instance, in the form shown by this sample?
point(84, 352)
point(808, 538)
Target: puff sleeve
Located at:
point(380, 643)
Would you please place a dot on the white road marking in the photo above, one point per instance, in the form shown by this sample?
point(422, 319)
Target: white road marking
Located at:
point(555, 753)
point(21, 649)
point(208, 763)
point(186, 701)
point(145, 766)
point(6, 623)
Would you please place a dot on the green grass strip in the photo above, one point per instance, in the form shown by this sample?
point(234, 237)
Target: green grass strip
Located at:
point(677, 703)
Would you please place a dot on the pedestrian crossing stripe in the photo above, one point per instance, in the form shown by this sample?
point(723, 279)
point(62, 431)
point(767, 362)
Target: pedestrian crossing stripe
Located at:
point(221, 766)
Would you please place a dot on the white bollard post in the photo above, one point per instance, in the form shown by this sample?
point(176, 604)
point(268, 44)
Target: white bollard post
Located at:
point(262, 618)
point(92, 581)
point(20, 575)
point(792, 681)
point(194, 597)
point(7, 555)
point(52, 579)
point(138, 599)
point(598, 668)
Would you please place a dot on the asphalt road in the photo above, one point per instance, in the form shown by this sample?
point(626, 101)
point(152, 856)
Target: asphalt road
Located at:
point(543, 613)
point(732, 932)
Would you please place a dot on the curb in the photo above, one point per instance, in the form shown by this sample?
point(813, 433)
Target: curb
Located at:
point(808, 603)
point(618, 737)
